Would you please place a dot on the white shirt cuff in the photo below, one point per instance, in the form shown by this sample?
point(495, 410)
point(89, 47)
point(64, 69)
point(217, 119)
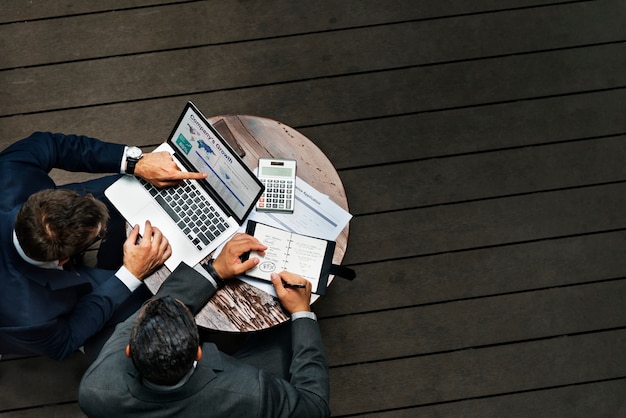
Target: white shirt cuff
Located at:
point(205, 274)
point(123, 162)
point(303, 314)
point(129, 280)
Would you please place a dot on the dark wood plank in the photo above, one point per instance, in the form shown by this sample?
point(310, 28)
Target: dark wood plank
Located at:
point(360, 96)
point(89, 36)
point(207, 69)
point(293, 104)
point(469, 274)
point(20, 10)
point(473, 323)
point(519, 31)
point(464, 178)
point(598, 399)
point(362, 49)
point(71, 410)
point(481, 128)
point(38, 381)
point(518, 77)
point(467, 374)
point(486, 175)
point(473, 129)
point(486, 223)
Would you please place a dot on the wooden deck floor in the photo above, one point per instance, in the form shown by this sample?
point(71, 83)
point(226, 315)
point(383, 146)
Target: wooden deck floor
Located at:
point(481, 144)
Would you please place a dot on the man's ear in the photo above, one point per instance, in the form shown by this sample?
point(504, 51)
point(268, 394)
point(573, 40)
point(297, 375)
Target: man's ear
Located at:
point(128, 350)
point(63, 261)
point(199, 354)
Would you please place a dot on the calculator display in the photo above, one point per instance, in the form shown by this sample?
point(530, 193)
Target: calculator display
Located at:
point(276, 171)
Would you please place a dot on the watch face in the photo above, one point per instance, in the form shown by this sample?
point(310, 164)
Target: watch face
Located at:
point(134, 152)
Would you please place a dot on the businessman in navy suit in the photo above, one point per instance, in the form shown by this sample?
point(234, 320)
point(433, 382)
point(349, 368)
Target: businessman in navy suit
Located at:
point(51, 305)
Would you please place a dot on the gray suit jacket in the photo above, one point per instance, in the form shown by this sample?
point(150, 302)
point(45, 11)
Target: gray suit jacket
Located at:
point(221, 386)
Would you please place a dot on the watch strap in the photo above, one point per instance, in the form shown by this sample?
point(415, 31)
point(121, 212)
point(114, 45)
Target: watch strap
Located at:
point(130, 165)
point(208, 266)
point(131, 161)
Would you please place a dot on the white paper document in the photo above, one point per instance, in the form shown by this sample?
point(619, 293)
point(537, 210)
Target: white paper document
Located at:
point(314, 215)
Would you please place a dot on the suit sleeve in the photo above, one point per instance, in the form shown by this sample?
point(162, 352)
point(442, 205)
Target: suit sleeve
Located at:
point(34, 157)
point(103, 379)
point(308, 391)
point(45, 151)
point(188, 286)
point(92, 313)
point(61, 336)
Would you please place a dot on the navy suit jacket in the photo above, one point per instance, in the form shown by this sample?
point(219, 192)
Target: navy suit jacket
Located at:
point(43, 311)
point(221, 385)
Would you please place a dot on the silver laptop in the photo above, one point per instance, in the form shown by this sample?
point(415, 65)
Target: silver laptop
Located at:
point(196, 216)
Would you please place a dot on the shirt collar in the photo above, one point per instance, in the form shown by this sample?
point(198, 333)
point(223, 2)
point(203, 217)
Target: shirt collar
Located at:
point(43, 264)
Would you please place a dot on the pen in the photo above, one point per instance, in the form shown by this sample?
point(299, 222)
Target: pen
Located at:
point(293, 285)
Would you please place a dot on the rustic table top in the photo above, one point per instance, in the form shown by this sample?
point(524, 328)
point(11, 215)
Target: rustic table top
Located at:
point(240, 307)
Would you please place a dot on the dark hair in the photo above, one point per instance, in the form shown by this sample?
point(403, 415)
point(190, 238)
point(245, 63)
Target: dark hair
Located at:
point(58, 223)
point(164, 341)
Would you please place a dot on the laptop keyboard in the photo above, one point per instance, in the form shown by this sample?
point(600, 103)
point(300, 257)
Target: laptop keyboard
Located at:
point(194, 215)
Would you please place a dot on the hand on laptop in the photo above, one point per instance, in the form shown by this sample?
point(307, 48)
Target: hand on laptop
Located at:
point(144, 255)
point(228, 264)
point(160, 169)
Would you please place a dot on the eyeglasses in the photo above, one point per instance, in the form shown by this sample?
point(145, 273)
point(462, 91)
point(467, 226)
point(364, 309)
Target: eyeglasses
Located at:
point(101, 234)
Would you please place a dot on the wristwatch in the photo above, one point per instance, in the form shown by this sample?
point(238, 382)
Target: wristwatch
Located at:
point(133, 155)
point(208, 266)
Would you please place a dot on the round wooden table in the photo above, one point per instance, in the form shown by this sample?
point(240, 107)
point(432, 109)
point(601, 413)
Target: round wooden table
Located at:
point(239, 306)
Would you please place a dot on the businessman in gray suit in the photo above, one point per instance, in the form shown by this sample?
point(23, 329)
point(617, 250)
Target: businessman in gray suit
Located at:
point(154, 364)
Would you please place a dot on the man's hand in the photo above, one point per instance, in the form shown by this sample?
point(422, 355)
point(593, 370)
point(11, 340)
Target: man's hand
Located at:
point(143, 256)
point(228, 264)
point(292, 299)
point(160, 169)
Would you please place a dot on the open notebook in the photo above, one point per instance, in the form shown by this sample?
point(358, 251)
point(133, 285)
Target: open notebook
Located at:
point(305, 256)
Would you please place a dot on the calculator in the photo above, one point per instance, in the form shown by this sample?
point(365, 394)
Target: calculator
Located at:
point(279, 178)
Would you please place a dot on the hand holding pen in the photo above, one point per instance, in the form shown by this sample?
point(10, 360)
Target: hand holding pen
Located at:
point(293, 291)
point(293, 285)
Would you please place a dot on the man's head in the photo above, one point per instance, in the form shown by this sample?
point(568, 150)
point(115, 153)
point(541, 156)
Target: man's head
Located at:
point(56, 224)
point(164, 341)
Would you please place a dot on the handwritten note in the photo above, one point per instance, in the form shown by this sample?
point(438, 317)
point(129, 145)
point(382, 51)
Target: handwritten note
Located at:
point(295, 253)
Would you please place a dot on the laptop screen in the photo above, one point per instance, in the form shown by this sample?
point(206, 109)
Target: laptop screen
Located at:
point(207, 152)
